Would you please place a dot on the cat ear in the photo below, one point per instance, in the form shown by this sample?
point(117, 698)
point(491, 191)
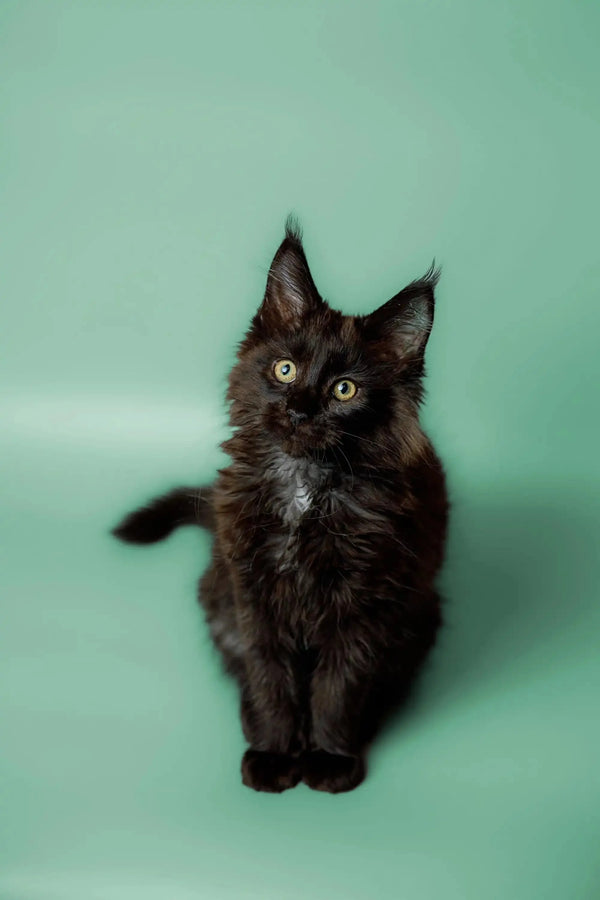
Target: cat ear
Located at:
point(406, 320)
point(290, 291)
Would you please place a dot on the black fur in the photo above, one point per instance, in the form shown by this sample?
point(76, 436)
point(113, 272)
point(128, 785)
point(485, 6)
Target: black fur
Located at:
point(329, 526)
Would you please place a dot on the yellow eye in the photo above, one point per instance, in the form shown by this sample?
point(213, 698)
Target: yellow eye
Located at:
point(344, 390)
point(285, 371)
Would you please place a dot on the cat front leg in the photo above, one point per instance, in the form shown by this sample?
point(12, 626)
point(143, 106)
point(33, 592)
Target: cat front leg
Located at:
point(271, 722)
point(339, 691)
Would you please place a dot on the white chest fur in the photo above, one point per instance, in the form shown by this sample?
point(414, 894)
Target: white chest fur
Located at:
point(295, 481)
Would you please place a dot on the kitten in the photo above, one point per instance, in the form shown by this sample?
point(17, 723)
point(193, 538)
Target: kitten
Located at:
point(329, 526)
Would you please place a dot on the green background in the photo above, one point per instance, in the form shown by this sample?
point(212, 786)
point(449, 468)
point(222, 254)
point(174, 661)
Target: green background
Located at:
point(149, 154)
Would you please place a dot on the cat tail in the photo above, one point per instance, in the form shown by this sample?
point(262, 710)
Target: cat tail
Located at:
point(160, 517)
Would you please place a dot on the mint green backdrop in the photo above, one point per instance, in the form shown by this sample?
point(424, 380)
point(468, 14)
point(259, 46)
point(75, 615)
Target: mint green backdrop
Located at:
point(149, 154)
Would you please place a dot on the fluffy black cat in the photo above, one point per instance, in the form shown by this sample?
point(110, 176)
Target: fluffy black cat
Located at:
point(329, 526)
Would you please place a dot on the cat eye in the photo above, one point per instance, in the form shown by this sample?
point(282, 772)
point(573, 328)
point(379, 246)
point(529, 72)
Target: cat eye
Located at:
point(285, 371)
point(344, 390)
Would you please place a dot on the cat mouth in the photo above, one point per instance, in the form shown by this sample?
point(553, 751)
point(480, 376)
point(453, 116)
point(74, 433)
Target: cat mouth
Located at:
point(304, 439)
point(298, 444)
point(295, 445)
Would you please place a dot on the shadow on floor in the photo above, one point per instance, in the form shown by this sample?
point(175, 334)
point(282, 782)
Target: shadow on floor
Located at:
point(522, 571)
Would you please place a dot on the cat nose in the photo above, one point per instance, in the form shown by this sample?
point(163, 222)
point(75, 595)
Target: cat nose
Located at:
point(296, 417)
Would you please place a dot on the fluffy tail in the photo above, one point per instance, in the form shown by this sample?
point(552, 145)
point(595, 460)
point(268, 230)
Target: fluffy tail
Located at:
point(156, 520)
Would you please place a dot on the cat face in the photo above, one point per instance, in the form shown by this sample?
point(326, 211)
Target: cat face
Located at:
point(311, 379)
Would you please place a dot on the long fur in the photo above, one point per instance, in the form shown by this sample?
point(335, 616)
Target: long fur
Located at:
point(329, 527)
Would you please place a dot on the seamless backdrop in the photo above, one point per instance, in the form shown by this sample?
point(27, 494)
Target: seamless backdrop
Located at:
point(149, 154)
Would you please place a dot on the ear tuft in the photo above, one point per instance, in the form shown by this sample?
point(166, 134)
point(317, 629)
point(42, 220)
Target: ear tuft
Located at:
point(429, 279)
point(291, 291)
point(293, 229)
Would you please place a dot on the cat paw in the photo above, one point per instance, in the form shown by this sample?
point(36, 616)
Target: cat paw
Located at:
point(324, 771)
point(272, 772)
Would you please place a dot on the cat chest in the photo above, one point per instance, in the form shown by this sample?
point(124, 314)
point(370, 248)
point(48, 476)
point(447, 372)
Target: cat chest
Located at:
point(293, 495)
point(288, 538)
point(301, 544)
point(304, 581)
point(298, 501)
point(303, 500)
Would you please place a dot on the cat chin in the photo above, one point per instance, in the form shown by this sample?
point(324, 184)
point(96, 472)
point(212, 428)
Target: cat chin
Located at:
point(296, 449)
point(299, 449)
point(297, 446)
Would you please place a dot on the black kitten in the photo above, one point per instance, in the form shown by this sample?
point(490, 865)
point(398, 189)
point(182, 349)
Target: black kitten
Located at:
point(329, 526)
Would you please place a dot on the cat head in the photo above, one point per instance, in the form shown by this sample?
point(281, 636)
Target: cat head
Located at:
point(309, 378)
